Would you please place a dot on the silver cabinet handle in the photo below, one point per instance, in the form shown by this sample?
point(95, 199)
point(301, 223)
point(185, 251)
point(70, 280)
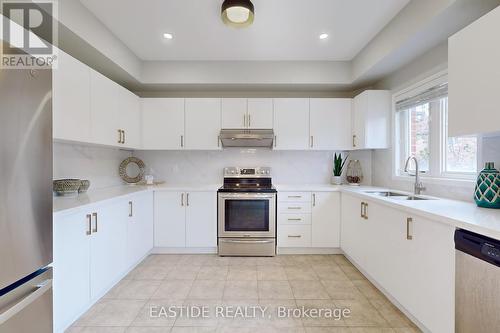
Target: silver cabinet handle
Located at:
point(314, 199)
point(119, 136)
point(294, 207)
point(298, 219)
point(275, 140)
point(294, 236)
point(366, 211)
point(249, 121)
point(182, 199)
point(244, 120)
point(89, 225)
point(187, 199)
point(123, 131)
point(409, 220)
point(246, 241)
point(131, 209)
point(312, 141)
point(354, 140)
point(218, 141)
point(362, 210)
point(95, 220)
point(182, 141)
point(295, 196)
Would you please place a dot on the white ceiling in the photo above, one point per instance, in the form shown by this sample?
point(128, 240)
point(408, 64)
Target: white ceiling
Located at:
point(282, 30)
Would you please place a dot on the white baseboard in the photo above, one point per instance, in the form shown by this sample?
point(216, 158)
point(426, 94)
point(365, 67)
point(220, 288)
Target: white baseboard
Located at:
point(308, 250)
point(184, 250)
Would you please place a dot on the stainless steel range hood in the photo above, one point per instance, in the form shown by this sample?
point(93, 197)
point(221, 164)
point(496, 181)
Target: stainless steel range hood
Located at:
point(245, 138)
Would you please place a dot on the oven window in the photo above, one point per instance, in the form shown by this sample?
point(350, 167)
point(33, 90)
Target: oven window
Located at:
point(246, 215)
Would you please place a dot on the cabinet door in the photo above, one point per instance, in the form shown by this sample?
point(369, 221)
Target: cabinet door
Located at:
point(169, 219)
point(371, 118)
point(105, 123)
point(163, 123)
point(234, 113)
point(71, 99)
point(330, 123)
point(260, 113)
point(203, 123)
point(326, 219)
point(430, 269)
point(140, 227)
point(130, 118)
point(353, 229)
point(291, 123)
point(474, 77)
point(108, 250)
point(201, 219)
point(71, 268)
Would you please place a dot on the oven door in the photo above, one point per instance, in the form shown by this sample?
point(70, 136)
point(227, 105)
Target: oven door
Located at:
point(247, 214)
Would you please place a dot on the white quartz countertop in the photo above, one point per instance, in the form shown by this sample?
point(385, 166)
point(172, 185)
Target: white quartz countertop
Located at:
point(67, 204)
point(460, 214)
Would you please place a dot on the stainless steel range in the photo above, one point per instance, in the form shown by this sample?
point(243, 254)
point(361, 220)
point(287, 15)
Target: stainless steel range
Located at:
point(247, 213)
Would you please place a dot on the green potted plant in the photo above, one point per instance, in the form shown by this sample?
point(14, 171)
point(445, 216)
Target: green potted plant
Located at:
point(338, 167)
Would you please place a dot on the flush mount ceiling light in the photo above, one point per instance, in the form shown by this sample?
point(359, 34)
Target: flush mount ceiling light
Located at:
point(323, 36)
point(237, 13)
point(168, 35)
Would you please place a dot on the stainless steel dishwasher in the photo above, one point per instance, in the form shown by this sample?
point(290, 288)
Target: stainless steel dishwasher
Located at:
point(477, 295)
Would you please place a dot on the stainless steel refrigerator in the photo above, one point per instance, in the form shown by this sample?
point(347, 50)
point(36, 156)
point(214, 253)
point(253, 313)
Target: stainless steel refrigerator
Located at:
point(25, 201)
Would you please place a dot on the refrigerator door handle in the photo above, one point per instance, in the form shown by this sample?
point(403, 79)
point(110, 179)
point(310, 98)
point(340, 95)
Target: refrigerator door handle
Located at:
point(26, 300)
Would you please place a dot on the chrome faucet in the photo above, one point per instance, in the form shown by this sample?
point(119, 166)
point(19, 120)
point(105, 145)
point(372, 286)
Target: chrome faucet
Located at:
point(419, 187)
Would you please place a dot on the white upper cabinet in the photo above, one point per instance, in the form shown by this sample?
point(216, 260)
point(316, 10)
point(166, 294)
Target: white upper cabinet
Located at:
point(163, 123)
point(71, 99)
point(330, 123)
point(104, 105)
point(291, 123)
point(474, 77)
point(234, 113)
point(260, 113)
point(203, 123)
point(371, 118)
point(130, 118)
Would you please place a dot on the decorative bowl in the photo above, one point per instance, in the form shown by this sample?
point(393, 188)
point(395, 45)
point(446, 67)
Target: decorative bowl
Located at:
point(66, 186)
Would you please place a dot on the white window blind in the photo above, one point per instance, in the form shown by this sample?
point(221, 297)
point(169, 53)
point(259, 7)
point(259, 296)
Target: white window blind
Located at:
point(427, 96)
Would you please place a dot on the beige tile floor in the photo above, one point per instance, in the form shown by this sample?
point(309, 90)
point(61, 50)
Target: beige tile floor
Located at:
point(311, 281)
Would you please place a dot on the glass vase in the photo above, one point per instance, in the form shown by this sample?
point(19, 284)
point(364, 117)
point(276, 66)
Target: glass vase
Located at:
point(354, 172)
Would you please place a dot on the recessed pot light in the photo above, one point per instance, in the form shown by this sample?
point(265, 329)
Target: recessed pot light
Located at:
point(323, 36)
point(237, 13)
point(168, 35)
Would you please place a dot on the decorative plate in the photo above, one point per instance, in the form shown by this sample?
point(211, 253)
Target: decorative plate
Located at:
point(125, 173)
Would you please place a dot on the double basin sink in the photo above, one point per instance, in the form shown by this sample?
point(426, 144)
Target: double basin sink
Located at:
point(398, 196)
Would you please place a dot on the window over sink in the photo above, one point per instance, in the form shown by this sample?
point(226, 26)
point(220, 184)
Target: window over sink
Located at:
point(421, 130)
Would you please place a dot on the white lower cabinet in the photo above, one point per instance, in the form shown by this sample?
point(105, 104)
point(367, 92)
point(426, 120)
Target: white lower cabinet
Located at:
point(93, 249)
point(309, 219)
point(185, 219)
point(410, 257)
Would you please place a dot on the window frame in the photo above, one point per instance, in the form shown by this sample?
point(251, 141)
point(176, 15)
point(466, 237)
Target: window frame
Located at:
point(437, 140)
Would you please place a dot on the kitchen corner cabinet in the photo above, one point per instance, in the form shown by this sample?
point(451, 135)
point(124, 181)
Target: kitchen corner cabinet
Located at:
point(163, 123)
point(185, 219)
point(474, 77)
point(71, 99)
point(410, 257)
point(291, 123)
point(371, 119)
point(203, 123)
point(129, 111)
point(94, 248)
point(330, 123)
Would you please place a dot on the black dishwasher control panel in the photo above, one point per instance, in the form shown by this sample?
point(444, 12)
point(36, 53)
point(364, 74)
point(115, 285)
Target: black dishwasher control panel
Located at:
point(479, 246)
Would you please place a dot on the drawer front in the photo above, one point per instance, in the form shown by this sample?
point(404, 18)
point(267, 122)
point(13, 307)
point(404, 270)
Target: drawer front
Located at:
point(294, 219)
point(294, 196)
point(294, 236)
point(294, 207)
